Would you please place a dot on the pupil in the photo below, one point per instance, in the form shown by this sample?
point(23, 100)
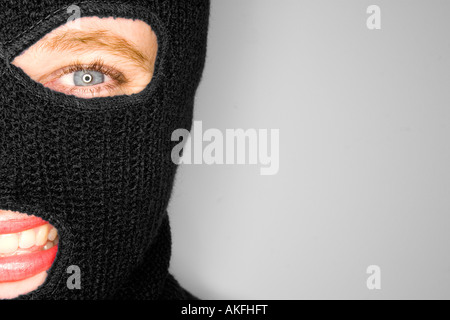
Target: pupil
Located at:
point(87, 78)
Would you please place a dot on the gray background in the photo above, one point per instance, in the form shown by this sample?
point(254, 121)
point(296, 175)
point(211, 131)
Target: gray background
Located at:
point(364, 155)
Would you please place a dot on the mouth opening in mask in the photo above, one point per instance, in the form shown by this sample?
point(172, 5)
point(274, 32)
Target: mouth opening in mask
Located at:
point(28, 247)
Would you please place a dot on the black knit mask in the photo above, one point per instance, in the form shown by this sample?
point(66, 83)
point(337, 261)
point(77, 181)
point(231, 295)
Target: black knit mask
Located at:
point(100, 169)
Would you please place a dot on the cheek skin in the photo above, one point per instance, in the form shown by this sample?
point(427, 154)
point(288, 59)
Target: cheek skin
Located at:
point(25, 62)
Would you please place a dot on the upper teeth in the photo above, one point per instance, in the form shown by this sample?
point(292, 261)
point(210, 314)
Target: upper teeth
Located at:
point(10, 243)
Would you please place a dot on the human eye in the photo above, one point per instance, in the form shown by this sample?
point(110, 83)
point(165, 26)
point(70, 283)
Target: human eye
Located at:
point(87, 80)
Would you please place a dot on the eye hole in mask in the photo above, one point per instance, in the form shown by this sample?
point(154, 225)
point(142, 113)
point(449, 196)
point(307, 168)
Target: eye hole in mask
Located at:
point(93, 57)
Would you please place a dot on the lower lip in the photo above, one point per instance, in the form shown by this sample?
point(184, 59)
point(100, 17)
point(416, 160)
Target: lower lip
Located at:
point(16, 268)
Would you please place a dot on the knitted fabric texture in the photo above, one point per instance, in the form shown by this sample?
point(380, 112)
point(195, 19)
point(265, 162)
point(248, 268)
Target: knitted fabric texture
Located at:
point(100, 170)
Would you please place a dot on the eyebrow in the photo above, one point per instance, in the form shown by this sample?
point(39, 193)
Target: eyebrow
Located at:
point(86, 41)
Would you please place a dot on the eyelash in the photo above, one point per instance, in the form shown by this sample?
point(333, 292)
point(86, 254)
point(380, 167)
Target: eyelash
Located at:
point(99, 66)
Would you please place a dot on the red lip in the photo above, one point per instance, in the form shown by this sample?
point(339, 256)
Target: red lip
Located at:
point(21, 267)
point(20, 224)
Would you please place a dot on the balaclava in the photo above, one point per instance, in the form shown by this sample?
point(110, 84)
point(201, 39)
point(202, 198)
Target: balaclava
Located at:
point(100, 170)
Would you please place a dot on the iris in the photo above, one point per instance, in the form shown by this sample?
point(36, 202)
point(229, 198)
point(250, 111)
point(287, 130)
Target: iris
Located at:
point(88, 78)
